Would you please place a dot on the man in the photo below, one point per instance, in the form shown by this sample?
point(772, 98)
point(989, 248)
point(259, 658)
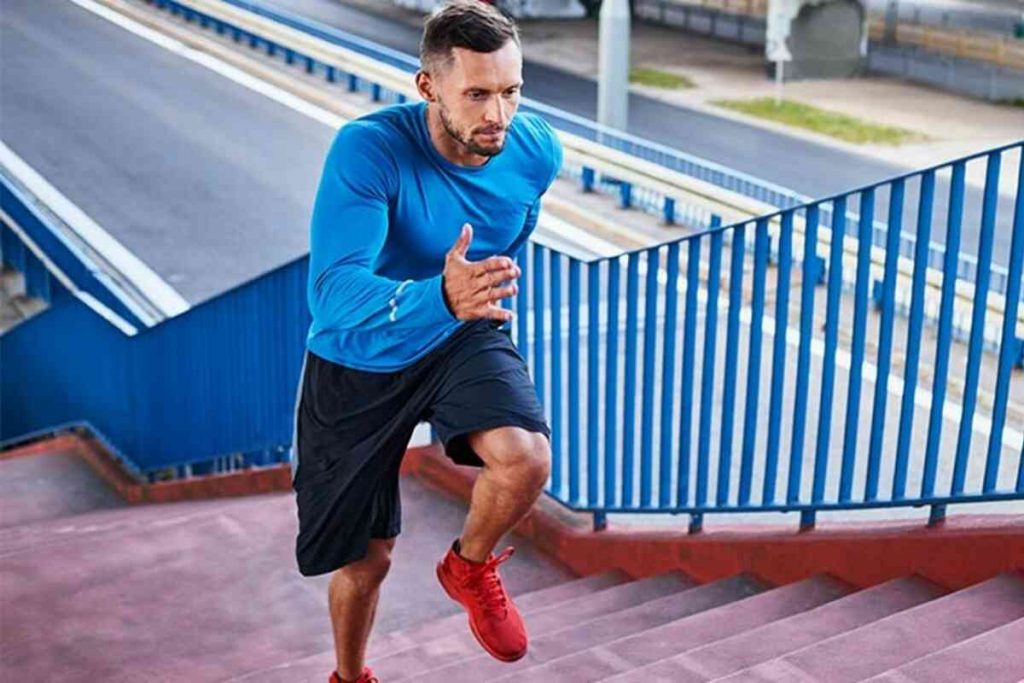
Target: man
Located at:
point(420, 213)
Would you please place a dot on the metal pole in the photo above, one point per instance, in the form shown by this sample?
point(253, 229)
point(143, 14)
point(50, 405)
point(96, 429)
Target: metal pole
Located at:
point(779, 67)
point(613, 65)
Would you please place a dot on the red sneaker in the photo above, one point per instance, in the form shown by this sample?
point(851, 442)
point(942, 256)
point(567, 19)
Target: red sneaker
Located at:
point(365, 677)
point(493, 618)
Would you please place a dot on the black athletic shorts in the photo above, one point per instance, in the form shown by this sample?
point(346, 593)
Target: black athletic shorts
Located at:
point(352, 428)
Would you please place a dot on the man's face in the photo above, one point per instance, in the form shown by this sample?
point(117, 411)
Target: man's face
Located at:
point(477, 95)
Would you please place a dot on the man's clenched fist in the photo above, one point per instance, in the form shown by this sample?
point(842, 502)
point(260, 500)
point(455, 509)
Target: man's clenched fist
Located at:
point(474, 289)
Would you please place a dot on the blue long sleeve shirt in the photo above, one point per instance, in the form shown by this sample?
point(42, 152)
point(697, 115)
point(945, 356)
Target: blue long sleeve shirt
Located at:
point(388, 209)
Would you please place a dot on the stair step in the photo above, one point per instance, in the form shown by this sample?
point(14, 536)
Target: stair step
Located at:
point(583, 635)
point(642, 647)
point(547, 598)
point(444, 651)
point(123, 519)
point(895, 640)
point(987, 657)
point(777, 638)
point(312, 668)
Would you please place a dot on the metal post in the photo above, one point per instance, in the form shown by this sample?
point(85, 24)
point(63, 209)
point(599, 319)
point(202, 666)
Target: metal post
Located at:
point(613, 65)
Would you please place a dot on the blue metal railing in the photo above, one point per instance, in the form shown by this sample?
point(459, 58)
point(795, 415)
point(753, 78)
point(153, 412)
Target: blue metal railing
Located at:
point(658, 419)
point(207, 391)
point(62, 252)
point(694, 376)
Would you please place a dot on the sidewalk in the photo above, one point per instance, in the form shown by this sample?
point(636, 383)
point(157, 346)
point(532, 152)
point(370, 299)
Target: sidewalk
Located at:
point(956, 125)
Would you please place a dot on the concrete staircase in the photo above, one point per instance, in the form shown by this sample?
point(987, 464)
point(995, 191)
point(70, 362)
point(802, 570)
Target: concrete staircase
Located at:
point(669, 629)
point(206, 590)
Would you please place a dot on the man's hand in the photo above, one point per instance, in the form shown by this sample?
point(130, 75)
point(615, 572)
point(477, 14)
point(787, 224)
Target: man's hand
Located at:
point(471, 288)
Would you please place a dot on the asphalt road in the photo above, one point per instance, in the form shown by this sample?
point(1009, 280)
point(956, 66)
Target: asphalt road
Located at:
point(153, 148)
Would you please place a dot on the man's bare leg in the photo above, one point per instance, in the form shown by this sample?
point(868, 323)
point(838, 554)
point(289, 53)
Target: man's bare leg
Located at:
point(352, 596)
point(516, 467)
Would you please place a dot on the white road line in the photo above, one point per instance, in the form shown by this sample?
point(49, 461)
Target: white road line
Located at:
point(156, 289)
point(233, 73)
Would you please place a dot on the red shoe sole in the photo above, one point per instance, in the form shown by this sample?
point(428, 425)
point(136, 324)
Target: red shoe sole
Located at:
point(472, 627)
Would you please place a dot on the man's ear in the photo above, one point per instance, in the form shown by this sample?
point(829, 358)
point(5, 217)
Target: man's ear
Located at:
point(425, 85)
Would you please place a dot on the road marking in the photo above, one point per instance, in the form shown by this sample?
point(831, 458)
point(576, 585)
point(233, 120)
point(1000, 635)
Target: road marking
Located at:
point(154, 287)
point(223, 68)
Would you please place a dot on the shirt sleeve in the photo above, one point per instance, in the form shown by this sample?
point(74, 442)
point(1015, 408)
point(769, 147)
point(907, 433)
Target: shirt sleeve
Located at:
point(347, 233)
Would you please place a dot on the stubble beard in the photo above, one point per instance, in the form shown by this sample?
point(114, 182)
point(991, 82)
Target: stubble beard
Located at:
point(470, 146)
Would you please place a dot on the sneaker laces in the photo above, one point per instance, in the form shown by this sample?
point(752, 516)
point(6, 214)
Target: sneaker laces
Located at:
point(486, 584)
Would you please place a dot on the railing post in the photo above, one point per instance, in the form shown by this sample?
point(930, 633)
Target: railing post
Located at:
point(670, 211)
point(587, 179)
point(807, 519)
point(696, 523)
point(625, 195)
point(937, 515)
point(600, 521)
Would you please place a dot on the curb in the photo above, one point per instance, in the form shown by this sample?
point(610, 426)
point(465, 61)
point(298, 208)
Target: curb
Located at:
point(964, 550)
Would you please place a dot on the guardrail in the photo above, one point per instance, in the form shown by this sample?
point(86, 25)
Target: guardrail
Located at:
point(670, 393)
point(665, 391)
point(53, 265)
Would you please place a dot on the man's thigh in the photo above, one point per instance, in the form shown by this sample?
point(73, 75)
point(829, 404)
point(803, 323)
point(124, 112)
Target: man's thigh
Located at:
point(486, 386)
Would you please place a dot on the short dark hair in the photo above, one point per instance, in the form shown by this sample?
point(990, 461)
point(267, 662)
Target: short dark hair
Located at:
point(469, 24)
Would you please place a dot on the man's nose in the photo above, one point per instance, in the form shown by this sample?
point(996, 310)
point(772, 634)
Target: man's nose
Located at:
point(497, 112)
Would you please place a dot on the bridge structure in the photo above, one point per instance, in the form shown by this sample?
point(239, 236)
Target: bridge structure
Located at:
point(705, 343)
point(783, 354)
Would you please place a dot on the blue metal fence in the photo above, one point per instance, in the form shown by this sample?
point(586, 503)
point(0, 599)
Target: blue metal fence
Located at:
point(206, 391)
point(722, 387)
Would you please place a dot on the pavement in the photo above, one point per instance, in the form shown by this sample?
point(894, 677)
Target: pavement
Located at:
point(150, 146)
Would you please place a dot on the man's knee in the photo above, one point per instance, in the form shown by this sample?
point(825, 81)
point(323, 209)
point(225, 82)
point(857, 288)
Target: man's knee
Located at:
point(516, 452)
point(369, 572)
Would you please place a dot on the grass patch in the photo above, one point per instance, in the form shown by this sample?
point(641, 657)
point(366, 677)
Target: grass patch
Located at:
point(840, 126)
point(659, 79)
point(1015, 102)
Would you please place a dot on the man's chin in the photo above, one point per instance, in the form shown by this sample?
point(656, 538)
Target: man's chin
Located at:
point(487, 150)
